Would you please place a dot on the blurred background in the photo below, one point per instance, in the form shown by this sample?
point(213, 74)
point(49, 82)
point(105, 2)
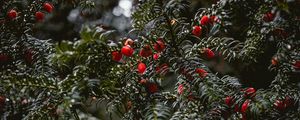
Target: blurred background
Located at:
point(66, 21)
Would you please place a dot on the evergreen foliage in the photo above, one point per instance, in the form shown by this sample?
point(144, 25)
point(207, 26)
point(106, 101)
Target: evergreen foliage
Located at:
point(167, 72)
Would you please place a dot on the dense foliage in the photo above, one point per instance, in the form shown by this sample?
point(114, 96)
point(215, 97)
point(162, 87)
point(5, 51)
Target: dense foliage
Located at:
point(237, 59)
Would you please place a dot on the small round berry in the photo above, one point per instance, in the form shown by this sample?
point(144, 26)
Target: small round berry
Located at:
point(204, 20)
point(3, 58)
point(268, 17)
point(159, 45)
point(127, 51)
point(12, 14)
point(39, 16)
point(245, 106)
point(156, 56)
point(229, 101)
point(180, 89)
point(209, 54)
point(141, 68)
point(250, 92)
point(145, 51)
point(48, 7)
point(297, 65)
point(116, 56)
point(197, 31)
point(152, 88)
point(202, 73)
point(279, 105)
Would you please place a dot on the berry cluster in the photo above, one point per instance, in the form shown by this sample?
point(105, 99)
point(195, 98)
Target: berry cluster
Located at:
point(39, 15)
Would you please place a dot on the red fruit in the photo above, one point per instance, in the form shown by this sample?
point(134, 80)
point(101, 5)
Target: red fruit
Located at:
point(156, 56)
point(209, 54)
point(2, 102)
point(39, 16)
point(129, 105)
point(274, 61)
point(159, 46)
point(29, 56)
point(213, 19)
point(12, 14)
point(279, 105)
point(204, 20)
point(197, 31)
point(229, 101)
point(146, 51)
point(245, 106)
point(3, 58)
point(129, 42)
point(48, 7)
point(202, 73)
point(127, 51)
point(152, 88)
point(116, 55)
point(191, 97)
point(180, 89)
point(250, 92)
point(143, 81)
point(297, 65)
point(141, 68)
point(288, 102)
point(268, 17)
point(236, 108)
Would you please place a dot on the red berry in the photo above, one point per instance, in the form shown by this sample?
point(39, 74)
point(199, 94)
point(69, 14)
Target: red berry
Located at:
point(146, 51)
point(245, 106)
point(39, 16)
point(197, 31)
point(229, 101)
point(2, 102)
point(48, 7)
point(204, 20)
point(3, 58)
point(268, 17)
point(29, 56)
point(127, 51)
point(143, 81)
point(250, 92)
point(209, 54)
point(274, 61)
point(156, 56)
point(141, 68)
point(297, 65)
point(12, 14)
point(191, 97)
point(279, 105)
point(129, 105)
point(289, 102)
point(180, 89)
point(159, 46)
point(236, 108)
point(202, 73)
point(116, 56)
point(152, 87)
point(213, 19)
